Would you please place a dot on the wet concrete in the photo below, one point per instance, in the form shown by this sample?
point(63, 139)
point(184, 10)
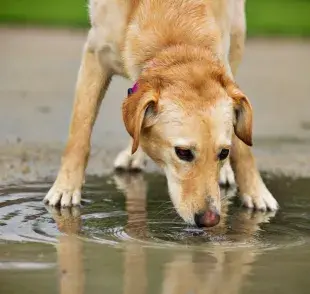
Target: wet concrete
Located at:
point(38, 69)
point(128, 239)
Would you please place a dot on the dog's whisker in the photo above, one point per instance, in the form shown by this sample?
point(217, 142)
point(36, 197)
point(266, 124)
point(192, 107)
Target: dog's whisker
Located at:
point(166, 210)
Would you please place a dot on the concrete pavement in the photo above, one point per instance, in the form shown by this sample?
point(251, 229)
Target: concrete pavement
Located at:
point(38, 69)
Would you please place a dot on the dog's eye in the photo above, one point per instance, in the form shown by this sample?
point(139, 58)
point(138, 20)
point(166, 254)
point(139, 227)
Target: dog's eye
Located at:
point(223, 154)
point(184, 154)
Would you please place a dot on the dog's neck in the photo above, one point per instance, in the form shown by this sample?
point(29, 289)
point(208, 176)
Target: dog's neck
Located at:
point(181, 63)
point(161, 26)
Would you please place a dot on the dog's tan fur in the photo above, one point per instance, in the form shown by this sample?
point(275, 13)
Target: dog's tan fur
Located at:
point(184, 55)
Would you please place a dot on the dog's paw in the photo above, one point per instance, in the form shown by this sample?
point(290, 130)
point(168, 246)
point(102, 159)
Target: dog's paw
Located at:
point(227, 176)
point(261, 200)
point(63, 194)
point(127, 161)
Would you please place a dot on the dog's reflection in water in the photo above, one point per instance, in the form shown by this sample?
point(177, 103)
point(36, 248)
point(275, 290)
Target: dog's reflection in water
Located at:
point(215, 271)
point(134, 188)
point(69, 250)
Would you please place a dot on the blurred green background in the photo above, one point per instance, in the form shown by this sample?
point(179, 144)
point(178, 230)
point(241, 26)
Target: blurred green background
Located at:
point(264, 17)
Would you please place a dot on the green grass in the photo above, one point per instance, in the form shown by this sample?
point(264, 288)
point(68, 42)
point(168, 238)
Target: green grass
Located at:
point(264, 17)
point(278, 17)
point(61, 13)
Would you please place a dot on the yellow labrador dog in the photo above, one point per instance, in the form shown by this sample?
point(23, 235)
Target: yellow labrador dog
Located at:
point(184, 111)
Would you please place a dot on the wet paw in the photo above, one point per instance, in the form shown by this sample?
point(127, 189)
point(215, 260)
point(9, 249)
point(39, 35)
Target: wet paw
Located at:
point(262, 200)
point(63, 195)
point(126, 161)
point(227, 177)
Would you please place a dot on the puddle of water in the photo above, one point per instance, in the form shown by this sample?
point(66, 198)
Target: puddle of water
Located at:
point(127, 238)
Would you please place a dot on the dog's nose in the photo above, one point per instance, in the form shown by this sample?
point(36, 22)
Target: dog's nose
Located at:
point(209, 218)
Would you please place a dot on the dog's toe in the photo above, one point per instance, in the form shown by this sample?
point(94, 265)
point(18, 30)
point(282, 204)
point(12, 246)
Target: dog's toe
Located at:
point(63, 197)
point(247, 201)
point(66, 199)
point(270, 202)
point(53, 197)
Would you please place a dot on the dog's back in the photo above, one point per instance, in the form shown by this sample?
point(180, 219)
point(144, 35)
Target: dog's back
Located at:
point(170, 21)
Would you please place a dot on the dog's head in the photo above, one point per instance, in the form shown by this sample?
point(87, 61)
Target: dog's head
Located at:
point(185, 125)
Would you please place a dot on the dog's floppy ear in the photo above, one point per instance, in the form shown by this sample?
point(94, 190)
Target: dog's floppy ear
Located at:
point(243, 113)
point(243, 117)
point(135, 107)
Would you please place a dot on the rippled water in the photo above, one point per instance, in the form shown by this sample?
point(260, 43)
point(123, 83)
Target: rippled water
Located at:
point(127, 221)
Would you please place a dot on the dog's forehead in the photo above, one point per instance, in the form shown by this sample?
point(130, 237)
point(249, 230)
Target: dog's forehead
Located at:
point(198, 110)
point(193, 122)
point(221, 109)
point(221, 121)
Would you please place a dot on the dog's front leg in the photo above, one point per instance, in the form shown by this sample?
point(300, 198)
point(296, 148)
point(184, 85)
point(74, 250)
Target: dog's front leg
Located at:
point(92, 82)
point(253, 192)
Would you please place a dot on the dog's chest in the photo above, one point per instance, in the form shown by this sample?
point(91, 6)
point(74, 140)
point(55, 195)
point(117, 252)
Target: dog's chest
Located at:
point(108, 24)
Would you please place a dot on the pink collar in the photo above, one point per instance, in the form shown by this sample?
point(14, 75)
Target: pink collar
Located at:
point(133, 89)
